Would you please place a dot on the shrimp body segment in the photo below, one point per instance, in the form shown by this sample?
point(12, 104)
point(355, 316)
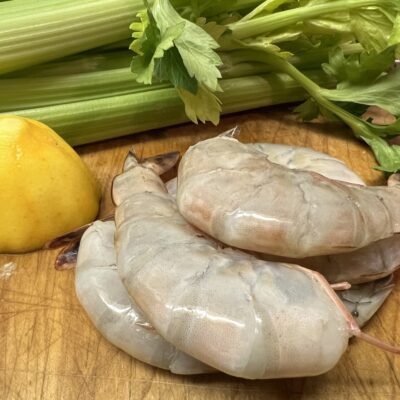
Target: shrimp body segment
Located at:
point(235, 194)
point(114, 313)
point(246, 317)
point(306, 159)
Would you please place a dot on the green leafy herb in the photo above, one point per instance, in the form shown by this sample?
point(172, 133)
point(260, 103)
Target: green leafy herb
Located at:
point(174, 49)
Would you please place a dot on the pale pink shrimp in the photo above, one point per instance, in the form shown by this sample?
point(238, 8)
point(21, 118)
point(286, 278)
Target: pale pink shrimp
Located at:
point(235, 194)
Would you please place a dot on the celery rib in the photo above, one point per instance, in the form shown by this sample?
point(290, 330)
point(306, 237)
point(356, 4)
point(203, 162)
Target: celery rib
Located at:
point(269, 23)
point(110, 117)
point(20, 93)
point(57, 29)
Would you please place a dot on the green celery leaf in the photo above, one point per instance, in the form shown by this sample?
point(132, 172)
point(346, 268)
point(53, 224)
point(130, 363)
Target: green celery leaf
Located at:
point(373, 27)
point(204, 106)
point(308, 110)
point(139, 28)
point(332, 24)
point(171, 68)
point(395, 36)
point(171, 48)
point(214, 29)
point(361, 68)
point(387, 155)
point(384, 93)
point(152, 45)
point(195, 46)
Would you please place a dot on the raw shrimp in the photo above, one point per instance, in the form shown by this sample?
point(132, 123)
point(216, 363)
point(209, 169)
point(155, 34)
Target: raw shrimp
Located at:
point(372, 262)
point(235, 194)
point(114, 313)
point(243, 316)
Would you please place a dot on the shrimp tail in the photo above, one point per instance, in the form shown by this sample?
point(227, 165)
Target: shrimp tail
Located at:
point(73, 235)
point(68, 256)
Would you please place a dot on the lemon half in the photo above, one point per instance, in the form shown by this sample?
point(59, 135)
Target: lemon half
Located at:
point(45, 188)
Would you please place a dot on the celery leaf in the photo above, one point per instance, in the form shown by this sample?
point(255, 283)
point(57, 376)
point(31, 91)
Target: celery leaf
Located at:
point(150, 46)
point(388, 155)
point(195, 46)
point(373, 27)
point(214, 29)
point(204, 106)
point(395, 35)
point(384, 93)
point(171, 68)
point(361, 68)
point(308, 110)
point(171, 48)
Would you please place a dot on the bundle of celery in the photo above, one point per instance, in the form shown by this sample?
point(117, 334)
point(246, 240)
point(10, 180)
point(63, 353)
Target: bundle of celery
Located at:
point(195, 59)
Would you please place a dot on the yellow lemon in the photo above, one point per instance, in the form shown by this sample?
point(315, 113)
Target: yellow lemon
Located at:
point(45, 188)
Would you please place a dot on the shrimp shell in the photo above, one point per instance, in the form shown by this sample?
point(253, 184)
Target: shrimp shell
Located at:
point(306, 159)
point(272, 209)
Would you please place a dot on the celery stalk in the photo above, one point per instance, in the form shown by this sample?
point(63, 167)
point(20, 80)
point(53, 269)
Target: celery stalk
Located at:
point(20, 93)
point(258, 26)
point(33, 32)
point(73, 80)
point(75, 64)
point(106, 118)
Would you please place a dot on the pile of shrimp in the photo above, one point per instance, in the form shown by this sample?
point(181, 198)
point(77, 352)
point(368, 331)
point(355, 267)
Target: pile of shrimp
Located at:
point(259, 260)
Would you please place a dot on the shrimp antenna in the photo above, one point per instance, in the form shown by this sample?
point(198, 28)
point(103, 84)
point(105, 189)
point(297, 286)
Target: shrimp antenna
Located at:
point(358, 333)
point(353, 326)
point(341, 286)
point(374, 341)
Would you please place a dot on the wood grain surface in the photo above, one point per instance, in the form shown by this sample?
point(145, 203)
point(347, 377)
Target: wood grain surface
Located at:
point(49, 349)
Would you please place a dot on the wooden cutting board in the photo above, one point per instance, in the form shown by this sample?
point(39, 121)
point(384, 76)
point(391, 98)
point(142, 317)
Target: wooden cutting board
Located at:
point(49, 349)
